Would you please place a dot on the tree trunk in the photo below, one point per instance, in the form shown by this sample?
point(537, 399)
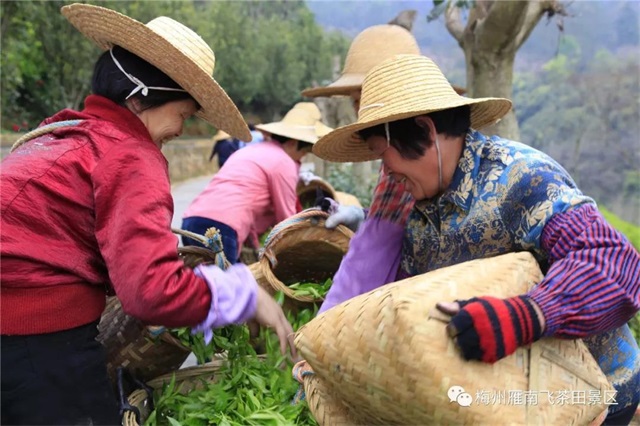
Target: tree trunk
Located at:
point(490, 37)
point(490, 74)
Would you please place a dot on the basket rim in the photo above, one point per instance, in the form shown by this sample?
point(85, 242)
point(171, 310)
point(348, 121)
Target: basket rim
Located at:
point(270, 250)
point(301, 188)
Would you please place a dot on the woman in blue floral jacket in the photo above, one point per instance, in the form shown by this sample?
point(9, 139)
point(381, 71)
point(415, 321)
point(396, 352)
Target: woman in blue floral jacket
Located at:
point(477, 197)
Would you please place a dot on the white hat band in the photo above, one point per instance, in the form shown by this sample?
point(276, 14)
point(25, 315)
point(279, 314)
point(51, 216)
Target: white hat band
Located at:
point(140, 86)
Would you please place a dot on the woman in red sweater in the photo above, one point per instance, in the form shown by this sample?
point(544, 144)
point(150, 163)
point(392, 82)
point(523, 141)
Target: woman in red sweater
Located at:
point(86, 207)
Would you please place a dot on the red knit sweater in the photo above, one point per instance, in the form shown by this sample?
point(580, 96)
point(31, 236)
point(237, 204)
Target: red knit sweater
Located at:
point(84, 208)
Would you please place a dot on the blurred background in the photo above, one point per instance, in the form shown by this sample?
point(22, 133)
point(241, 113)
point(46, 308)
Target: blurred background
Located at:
point(573, 73)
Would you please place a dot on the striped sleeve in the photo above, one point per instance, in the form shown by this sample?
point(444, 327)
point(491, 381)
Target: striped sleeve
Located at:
point(593, 283)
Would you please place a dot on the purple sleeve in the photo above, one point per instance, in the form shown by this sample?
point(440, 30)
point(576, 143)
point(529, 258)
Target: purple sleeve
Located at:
point(593, 284)
point(371, 261)
point(233, 296)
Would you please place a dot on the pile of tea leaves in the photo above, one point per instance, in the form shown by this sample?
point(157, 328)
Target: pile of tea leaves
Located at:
point(317, 291)
point(248, 390)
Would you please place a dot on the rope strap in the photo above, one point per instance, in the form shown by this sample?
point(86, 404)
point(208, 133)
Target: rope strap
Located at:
point(42, 130)
point(301, 370)
point(214, 242)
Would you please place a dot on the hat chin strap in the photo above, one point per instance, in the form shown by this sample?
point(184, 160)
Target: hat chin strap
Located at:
point(140, 86)
point(440, 188)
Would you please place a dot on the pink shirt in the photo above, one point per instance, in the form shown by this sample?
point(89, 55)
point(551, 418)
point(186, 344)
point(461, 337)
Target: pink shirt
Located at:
point(254, 190)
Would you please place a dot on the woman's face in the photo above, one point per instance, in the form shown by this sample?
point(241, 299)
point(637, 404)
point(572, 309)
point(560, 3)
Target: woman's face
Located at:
point(166, 121)
point(291, 148)
point(420, 176)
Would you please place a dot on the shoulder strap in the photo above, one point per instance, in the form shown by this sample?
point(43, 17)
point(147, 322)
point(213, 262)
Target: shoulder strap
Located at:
point(44, 130)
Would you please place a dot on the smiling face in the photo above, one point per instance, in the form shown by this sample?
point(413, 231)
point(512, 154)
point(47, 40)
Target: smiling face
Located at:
point(420, 176)
point(166, 121)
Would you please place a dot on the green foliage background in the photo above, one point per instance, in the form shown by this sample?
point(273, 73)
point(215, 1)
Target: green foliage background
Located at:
point(632, 232)
point(266, 53)
point(575, 93)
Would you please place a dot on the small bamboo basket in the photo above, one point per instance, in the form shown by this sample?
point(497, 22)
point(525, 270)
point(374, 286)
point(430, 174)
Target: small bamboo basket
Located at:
point(148, 351)
point(186, 379)
point(386, 358)
point(301, 249)
point(307, 194)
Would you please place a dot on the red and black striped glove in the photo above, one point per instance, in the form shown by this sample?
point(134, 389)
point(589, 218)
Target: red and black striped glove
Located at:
point(489, 329)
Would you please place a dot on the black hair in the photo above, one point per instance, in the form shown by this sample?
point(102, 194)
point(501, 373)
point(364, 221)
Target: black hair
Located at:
point(109, 82)
point(282, 139)
point(411, 140)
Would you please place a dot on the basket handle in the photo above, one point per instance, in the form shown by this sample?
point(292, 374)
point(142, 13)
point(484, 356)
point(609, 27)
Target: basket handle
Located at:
point(212, 239)
point(122, 376)
point(200, 238)
point(313, 215)
point(42, 130)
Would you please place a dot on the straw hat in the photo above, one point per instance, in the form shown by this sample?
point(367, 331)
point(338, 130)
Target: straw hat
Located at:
point(301, 123)
point(371, 47)
point(220, 136)
point(171, 47)
point(402, 87)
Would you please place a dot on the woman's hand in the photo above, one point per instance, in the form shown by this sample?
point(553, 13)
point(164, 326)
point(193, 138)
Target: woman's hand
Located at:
point(489, 329)
point(237, 298)
point(269, 314)
point(349, 216)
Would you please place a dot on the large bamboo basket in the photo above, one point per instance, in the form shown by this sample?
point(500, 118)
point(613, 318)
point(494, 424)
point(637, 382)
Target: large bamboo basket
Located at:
point(386, 355)
point(307, 194)
point(301, 249)
point(148, 351)
point(326, 408)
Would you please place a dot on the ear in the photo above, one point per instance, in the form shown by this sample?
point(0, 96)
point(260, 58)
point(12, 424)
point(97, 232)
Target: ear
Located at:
point(426, 123)
point(134, 105)
point(291, 144)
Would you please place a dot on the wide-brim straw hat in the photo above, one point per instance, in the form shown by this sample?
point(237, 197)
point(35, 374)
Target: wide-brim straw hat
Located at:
point(402, 87)
point(172, 48)
point(368, 49)
point(301, 123)
point(221, 135)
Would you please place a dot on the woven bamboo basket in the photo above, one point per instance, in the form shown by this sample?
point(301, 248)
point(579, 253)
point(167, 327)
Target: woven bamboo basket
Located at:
point(301, 249)
point(307, 194)
point(326, 408)
point(386, 355)
point(347, 199)
point(148, 351)
point(186, 379)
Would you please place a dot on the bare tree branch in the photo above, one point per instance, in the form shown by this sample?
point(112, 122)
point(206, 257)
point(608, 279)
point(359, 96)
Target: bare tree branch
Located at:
point(405, 19)
point(482, 8)
point(501, 25)
point(534, 13)
point(453, 22)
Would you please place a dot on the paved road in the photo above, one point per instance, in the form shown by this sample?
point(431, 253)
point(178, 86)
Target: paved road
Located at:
point(184, 193)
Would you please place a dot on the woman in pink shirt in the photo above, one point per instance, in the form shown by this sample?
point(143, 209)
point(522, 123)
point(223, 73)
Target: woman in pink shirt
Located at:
point(256, 188)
